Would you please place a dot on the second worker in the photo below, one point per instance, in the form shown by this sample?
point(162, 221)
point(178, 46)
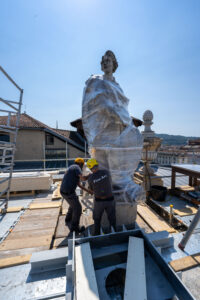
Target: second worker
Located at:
point(100, 184)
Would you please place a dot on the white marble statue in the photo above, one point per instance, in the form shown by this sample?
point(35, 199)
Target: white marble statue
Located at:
point(113, 139)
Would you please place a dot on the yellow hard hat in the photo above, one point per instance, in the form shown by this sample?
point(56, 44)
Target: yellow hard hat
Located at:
point(79, 160)
point(91, 163)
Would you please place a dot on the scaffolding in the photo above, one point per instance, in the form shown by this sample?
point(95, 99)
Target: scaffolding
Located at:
point(8, 108)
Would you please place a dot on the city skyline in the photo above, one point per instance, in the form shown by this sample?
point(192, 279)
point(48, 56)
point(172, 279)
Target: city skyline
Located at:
point(51, 48)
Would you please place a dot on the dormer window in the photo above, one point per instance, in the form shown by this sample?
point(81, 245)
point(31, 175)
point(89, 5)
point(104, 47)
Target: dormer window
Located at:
point(4, 137)
point(49, 139)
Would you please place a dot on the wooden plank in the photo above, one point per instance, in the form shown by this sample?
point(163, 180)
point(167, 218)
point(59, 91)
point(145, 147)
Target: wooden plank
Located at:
point(13, 209)
point(185, 211)
point(42, 201)
point(86, 285)
point(26, 243)
point(143, 225)
point(62, 230)
point(19, 252)
point(60, 242)
point(56, 193)
point(14, 261)
point(20, 194)
point(186, 188)
point(30, 233)
point(41, 212)
point(135, 282)
point(197, 257)
point(37, 224)
point(45, 205)
point(30, 218)
point(153, 220)
point(183, 263)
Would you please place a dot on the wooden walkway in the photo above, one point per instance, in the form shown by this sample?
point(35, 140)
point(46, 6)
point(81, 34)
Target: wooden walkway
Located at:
point(42, 227)
point(35, 229)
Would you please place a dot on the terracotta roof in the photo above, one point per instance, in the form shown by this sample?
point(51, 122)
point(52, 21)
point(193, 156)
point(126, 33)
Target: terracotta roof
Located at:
point(63, 132)
point(27, 121)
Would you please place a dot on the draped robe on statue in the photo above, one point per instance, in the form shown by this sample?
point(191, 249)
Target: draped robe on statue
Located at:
point(113, 139)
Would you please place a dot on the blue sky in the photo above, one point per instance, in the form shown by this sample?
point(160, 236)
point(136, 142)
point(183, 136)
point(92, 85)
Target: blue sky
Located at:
point(51, 47)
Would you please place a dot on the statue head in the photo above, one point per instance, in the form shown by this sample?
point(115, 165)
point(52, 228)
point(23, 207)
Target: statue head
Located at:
point(109, 63)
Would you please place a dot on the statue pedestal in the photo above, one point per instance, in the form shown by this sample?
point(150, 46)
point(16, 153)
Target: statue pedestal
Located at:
point(125, 214)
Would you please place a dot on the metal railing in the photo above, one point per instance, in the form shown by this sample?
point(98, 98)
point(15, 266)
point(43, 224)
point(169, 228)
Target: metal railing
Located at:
point(7, 149)
point(42, 164)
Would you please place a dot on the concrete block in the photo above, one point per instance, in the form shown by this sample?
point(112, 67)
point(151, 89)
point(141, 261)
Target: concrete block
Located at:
point(27, 181)
point(162, 239)
point(49, 260)
point(125, 214)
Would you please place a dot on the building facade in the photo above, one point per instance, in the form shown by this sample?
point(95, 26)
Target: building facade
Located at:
point(39, 146)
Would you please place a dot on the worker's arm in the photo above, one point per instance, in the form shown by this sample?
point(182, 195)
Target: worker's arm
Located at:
point(83, 188)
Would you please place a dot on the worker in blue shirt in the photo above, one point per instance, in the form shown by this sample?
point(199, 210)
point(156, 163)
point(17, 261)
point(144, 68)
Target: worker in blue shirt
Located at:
point(68, 187)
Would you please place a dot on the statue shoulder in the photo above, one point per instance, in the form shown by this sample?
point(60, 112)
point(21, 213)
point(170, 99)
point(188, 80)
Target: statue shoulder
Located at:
point(93, 78)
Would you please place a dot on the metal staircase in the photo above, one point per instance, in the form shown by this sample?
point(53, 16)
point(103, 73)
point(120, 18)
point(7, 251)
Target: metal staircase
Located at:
point(10, 110)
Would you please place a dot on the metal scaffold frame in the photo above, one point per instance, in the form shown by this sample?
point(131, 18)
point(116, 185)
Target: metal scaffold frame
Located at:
point(7, 149)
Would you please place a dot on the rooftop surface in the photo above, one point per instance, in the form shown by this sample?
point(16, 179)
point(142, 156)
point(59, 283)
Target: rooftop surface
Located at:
point(40, 227)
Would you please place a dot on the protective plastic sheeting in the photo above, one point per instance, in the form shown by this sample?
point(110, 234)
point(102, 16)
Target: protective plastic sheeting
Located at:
point(113, 139)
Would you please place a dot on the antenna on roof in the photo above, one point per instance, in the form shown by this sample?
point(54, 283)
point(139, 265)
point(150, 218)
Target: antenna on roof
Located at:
point(56, 124)
point(25, 108)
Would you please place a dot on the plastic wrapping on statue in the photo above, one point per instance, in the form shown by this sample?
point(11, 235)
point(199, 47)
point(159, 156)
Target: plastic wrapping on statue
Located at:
point(113, 139)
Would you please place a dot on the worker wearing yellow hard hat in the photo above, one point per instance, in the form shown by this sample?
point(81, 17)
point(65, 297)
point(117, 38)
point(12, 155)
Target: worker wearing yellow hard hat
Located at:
point(79, 161)
point(91, 163)
point(100, 184)
point(68, 187)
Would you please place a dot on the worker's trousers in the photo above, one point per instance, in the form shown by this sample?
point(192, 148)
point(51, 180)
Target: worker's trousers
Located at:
point(99, 207)
point(74, 211)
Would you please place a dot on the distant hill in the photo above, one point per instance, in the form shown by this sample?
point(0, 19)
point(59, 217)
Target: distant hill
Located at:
point(175, 139)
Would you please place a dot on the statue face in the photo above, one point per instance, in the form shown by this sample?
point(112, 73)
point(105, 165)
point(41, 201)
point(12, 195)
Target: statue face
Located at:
point(107, 64)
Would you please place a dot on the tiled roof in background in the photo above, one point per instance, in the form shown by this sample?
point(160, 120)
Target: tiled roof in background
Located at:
point(27, 121)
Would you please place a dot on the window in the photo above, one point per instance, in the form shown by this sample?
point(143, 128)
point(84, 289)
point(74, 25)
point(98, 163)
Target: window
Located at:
point(55, 153)
point(4, 137)
point(49, 139)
